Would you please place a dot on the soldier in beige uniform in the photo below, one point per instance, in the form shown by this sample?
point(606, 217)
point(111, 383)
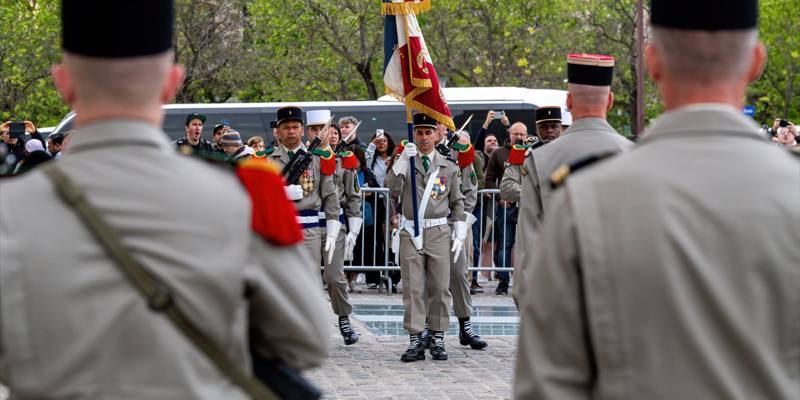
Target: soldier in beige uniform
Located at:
point(672, 271)
point(589, 97)
point(548, 128)
point(71, 324)
point(315, 188)
point(425, 260)
point(351, 202)
point(463, 156)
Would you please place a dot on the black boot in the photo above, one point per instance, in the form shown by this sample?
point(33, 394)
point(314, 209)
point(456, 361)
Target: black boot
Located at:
point(502, 288)
point(350, 336)
point(426, 336)
point(437, 348)
point(415, 351)
point(468, 337)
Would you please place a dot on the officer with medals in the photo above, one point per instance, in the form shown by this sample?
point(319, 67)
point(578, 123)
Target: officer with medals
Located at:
point(425, 260)
point(589, 98)
point(315, 189)
point(463, 156)
point(73, 321)
point(671, 271)
point(350, 201)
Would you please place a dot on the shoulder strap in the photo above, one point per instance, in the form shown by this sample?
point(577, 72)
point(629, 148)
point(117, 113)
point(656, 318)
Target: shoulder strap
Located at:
point(158, 295)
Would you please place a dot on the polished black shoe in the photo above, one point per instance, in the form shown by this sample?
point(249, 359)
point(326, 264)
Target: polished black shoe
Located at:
point(438, 353)
point(476, 287)
point(502, 288)
point(468, 337)
point(425, 337)
point(350, 336)
point(415, 352)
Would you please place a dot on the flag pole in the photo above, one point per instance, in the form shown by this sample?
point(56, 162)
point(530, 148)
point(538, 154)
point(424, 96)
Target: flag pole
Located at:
point(413, 172)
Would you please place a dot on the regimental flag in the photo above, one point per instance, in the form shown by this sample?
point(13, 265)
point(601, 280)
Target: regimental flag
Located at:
point(408, 72)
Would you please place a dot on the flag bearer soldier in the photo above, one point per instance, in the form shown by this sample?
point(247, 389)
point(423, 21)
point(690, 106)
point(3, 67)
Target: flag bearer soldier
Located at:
point(425, 260)
point(350, 202)
point(72, 323)
point(315, 189)
point(589, 98)
point(463, 157)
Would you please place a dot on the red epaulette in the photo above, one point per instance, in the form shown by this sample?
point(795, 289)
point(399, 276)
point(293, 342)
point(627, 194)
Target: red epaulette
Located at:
point(466, 157)
point(327, 162)
point(400, 147)
point(517, 154)
point(349, 160)
point(273, 216)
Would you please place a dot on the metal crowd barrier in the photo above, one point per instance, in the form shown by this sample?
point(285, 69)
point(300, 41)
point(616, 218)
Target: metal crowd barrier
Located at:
point(378, 239)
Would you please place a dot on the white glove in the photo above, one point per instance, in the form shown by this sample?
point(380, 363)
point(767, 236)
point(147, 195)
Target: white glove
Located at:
point(459, 236)
point(401, 165)
point(352, 236)
point(294, 192)
point(333, 226)
point(471, 219)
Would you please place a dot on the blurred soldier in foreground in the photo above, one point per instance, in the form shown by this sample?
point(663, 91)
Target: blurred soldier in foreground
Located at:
point(425, 260)
point(672, 271)
point(72, 324)
point(589, 97)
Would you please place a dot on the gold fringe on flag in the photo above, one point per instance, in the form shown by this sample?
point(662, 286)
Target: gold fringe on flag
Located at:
point(405, 7)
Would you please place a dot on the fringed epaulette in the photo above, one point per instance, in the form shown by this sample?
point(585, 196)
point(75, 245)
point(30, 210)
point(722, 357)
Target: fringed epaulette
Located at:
point(466, 154)
point(265, 153)
point(349, 160)
point(405, 7)
point(517, 154)
point(560, 175)
point(400, 147)
point(273, 215)
point(327, 161)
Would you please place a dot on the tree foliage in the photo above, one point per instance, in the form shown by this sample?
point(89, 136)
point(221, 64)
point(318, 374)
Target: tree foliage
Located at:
point(303, 50)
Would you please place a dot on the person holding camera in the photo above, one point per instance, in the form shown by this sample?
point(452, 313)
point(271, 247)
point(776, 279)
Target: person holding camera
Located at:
point(785, 133)
point(14, 135)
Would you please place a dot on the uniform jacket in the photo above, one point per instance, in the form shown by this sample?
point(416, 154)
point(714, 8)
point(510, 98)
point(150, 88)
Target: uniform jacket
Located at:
point(670, 272)
point(350, 198)
point(448, 199)
point(72, 326)
point(322, 191)
point(586, 137)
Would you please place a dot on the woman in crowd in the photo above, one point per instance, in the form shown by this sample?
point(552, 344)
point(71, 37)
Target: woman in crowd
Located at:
point(378, 153)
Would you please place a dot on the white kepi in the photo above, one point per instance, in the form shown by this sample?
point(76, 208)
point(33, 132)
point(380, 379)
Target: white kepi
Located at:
point(317, 117)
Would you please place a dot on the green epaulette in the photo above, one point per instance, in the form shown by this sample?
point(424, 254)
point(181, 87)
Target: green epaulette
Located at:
point(322, 153)
point(559, 177)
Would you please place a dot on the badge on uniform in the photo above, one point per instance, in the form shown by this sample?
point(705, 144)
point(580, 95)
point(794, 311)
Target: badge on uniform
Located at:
point(307, 182)
point(439, 188)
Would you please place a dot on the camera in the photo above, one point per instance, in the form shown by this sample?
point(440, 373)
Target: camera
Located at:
point(499, 114)
point(783, 123)
point(16, 130)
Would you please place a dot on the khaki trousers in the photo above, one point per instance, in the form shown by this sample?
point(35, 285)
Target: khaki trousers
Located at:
point(312, 243)
point(335, 277)
point(459, 284)
point(426, 278)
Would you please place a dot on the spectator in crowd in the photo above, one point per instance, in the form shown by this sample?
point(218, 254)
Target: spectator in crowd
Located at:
point(484, 131)
point(194, 135)
point(216, 137)
point(233, 147)
point(785, 135)
point(34, 155)
point(505, 223)
point(54, 143)
point(256, 143)
point(16, 145)
point(347, 124)
point(378, 153)
point(489, 146)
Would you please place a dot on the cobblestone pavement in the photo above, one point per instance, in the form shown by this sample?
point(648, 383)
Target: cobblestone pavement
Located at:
point(371, 369)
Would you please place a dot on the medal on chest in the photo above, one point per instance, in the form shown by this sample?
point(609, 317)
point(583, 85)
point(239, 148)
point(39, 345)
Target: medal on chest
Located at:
point(307, 182)
point(439, 190)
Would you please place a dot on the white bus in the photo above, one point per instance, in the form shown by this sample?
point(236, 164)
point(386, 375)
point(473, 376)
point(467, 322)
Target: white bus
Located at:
point(252, 119)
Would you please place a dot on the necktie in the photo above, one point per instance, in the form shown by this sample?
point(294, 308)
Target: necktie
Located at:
point(426, 163)
point(291, 154)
